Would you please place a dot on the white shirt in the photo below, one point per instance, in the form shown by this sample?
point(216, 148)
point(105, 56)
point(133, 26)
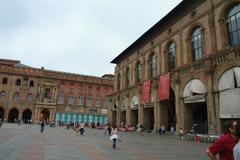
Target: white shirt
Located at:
point(236, 151)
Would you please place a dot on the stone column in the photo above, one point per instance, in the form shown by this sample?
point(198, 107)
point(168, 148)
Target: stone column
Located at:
point(210, 98)
point(140, 113)
point(179, 113)
point(50, 114)
point(128, 117)
point(157, 116)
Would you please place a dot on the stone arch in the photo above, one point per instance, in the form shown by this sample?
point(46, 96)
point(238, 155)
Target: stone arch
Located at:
point(229, 93)
point(13, 115)
point(194, 86)
point(2, 112)
point(45, 114)
point(27, 116)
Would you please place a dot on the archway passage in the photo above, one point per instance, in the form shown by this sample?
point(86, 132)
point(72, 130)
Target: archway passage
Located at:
point(134, 117)
point(114, 117)
point(197, 117)
point(44, 114)
point(168, 111)
point(2, 114)
point(149, 118)
point(27, 116)
point(123, 117)
point(13, 115)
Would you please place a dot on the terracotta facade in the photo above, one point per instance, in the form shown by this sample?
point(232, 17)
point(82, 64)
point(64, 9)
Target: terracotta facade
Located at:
point(217, 56)
point(33, 94)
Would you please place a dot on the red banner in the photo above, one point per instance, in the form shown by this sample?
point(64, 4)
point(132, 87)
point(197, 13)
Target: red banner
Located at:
point(146, 91)
point(163, 87)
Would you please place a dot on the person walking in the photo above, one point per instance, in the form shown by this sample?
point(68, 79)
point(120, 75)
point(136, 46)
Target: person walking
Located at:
point(236, 149)
point(42, 126)
point(224, 145)
point(109, 129)
point(114, 137)
point(81, 128)
point(1, 123)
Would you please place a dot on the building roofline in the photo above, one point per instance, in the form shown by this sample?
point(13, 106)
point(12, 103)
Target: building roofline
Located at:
point(179, 11)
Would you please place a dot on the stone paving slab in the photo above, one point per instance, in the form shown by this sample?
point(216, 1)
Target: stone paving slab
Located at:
point(25, 142)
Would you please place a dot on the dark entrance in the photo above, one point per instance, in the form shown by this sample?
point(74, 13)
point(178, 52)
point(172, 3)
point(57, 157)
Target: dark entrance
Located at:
point(114, 117)
point(168, 111)
point(149, 118)
point(44, 114)
point(198, 114)
point(134, 117)
point(27, 116)
point(13, 115)
point(2, 114)
point(123, 117)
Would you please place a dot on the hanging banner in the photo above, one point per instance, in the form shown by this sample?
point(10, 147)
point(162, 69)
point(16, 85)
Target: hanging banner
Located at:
point(163, 87)
point(146, 91)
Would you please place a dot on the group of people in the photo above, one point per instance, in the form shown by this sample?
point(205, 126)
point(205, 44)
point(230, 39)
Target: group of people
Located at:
point(80, 128)
point(227, 146)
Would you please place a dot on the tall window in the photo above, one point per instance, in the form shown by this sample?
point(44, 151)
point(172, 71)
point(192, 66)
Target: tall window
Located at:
point(171, 56)
point(105, 102)
point(18, 82)
point(127, 76)
point(2, 95)
point(31, 84)
point(80, 100)
point(16, 96)
point(118, 82)
point(70, 99)
point(233, 25)
point(61, 98)
point(29, 97)
point(197, 50)
point(5, 81)
point(89, 101)
point(98, 101)
point(153, 66)
point(138, 72)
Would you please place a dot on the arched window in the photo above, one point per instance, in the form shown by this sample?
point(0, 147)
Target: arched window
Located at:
point(118, 82)
point(138, 72)
point(80, 100)
point(61, 98)
point(98, 101)
point(233, 25)
point(89, 101)
point(16, 96)
point(171, 56)
point(18, 82)
point(2, 95)
point(29, 97)
point(197, 50)
point(106, 102)
point(5, 81)
point(70, 99)
point(127, 76)
point(31, 84)
point(48, 93)
point(153, 66)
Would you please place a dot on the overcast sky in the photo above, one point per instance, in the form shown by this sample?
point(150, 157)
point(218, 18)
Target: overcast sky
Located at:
point(78, 36)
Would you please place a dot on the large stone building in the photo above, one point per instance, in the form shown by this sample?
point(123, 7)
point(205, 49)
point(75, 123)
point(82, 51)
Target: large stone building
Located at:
point(184, 71)
point(32, 94)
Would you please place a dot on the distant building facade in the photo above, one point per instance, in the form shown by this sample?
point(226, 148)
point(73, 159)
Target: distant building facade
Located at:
point(32, 94)
point(184, 71)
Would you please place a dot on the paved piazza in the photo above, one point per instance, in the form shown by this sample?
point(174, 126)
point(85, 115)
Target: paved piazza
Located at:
point(25, 142)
